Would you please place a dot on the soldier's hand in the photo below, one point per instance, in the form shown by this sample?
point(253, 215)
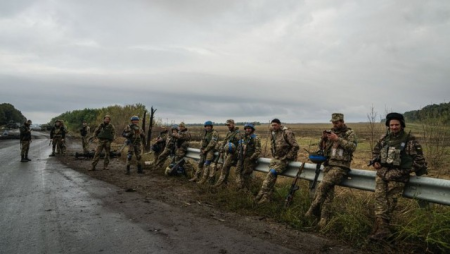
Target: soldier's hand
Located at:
point(332, 136)
point(377, 165)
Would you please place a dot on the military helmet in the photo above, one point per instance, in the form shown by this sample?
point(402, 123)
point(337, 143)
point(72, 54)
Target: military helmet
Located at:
point(395, 116)
point(134, 118)
point(317, 157)
point(182, 124)
point(249, 125)
point(229, 147)
point(208, 123)
point(174, 127)
point(107, 116)
point(28, 122)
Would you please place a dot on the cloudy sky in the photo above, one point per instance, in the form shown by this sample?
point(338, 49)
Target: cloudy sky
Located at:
point(197, 60)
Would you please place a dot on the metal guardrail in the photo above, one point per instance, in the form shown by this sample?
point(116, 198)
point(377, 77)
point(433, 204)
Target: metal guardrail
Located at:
point(422, 188)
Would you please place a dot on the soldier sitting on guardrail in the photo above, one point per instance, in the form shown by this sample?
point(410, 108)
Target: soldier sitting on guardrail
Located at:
point(395, 156)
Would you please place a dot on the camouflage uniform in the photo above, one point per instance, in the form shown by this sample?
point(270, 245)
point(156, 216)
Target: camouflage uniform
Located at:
point(159, 146)
point(284, 150)
point(229, 151)
point(181, 145)
point(105, 133)
point(207, 148)
point(340, 155)
point(25, 140)
point(63, 140)
point(398, 154)
point(84, 131)
point(251, 149)
point(57, 134)
point(169, 149)
point(134, 135)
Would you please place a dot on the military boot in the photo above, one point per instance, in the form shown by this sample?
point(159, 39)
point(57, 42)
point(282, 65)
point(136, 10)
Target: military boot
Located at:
point(23, 159)
point(140, 171)
point(197, 175)
point(205, 175)
point(381, 230)
point(128, 170)
point(53, 153)
point(26, 157)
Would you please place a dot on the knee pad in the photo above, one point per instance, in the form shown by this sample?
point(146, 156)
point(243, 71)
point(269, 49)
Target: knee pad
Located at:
point(207, 163)
point(273, 172)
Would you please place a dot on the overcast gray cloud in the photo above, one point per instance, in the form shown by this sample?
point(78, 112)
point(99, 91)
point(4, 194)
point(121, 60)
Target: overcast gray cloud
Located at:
point(249, 60)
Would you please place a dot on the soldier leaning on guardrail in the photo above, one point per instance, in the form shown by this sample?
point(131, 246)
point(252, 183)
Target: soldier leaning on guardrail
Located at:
point(179, 164)
point(105, 133)
point(207, 149)
point(249, 150)
point(169, 149)
point(25, 140)
point(284, 150)
point(395, 156)
point(340, 143)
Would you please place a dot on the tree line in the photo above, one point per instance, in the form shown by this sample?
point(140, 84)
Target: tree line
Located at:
point(432, 113)
point(9, 114)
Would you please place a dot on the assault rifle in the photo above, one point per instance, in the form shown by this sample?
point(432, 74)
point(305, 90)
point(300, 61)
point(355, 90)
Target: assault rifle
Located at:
point(241, 153)
point(177, 168)
point(294, 187)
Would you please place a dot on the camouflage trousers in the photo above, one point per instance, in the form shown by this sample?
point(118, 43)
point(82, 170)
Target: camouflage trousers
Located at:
point(25, 147)
point(205, 160)
point(85, 144)
point(324, 195)
point(386, 196)
point(276, 167)
point(162, 158)
point(57, 145)
point(244, 173)
point(228, 161)
point(102, 144)
point(136, 150)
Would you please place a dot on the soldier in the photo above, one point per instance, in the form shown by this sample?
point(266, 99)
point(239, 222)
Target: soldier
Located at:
point(63, 141)
point(57, 134)
point(207, 149)
point(160, 144)
point(395, 155)
point(169, 149)
point(229, 150)
point(181, 145)
point(249, 150)
point(284, 149)
point(105, 133)
point(84, 131)
point(25, 140)
point(134, 135)
point(339, 145)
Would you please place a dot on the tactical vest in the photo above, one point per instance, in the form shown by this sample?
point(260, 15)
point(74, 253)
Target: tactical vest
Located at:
point(250, 145)
point(83, 131)
point(393, 154)
point(207, 138)
point(58, 132)
point(232, 137)
point(25, 133)
point(183, 142)
point(338, 153)
point(135, 134)
point(106, 132)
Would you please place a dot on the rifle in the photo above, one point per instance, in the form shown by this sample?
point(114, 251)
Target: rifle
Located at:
point(294, 187)
point(241, 152)
point(175, 168)
point(216, 161)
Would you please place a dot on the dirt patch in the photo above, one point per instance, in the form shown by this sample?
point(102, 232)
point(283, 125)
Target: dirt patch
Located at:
point(179, 192)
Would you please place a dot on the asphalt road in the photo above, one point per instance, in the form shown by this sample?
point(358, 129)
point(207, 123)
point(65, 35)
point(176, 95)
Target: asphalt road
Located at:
point(46, 207)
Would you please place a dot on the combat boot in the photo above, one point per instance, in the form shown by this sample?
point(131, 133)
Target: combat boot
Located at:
point(196, 176)
point(204, 176)
point(52, 154)
point(140, 171)
point(92, 168)
point(128, 170)
point(322, 222)
point(26, 157)
point(220, 181)
point(263, 199)
point(381, 230)
point(23, 159)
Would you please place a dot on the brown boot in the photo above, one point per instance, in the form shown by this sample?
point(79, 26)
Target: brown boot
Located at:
point(381, 230)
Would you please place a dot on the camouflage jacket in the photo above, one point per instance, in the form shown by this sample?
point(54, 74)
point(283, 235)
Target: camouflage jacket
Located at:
point(57, 132)
point(399, 154)
point(283, 144)
point(340, 152)
point(251, 146)
point(134, 134)
point(232, 137)
point(209, 140)
point(25, 133)
point(183, 138)
point(105, 131)
point(84, 131)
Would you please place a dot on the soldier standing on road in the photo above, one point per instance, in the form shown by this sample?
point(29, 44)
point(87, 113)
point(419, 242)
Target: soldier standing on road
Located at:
point(169, 149)
point(84, 131)
point(340, 144)
point(57, 134)
point(229, 150)
point(105, 133)
point(395, 155)
point(284, 149)
point(207, 149)
point(181, 145)
point(25, 140)
point(63, 141)
point(250, 149)
point(160, 144)
point(134, 135)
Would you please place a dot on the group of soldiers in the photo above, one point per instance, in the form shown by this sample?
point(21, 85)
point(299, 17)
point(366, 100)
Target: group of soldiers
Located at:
point(395, 156)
